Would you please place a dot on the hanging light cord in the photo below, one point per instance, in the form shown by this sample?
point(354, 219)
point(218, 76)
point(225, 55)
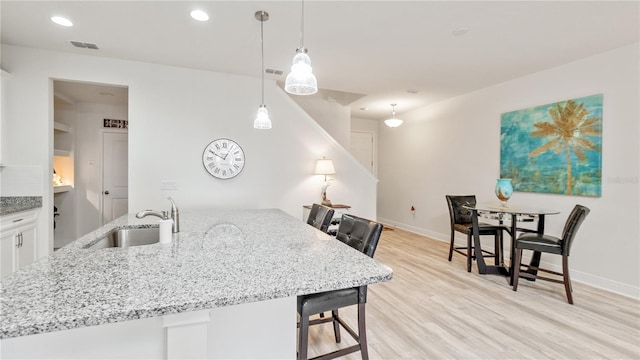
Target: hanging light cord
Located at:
point(302, 26)
point(262, 51)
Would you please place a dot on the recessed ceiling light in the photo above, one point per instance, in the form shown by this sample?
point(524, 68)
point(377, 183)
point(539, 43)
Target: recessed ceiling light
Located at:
point(199, 15)
point(412, 91)
point(61, 21)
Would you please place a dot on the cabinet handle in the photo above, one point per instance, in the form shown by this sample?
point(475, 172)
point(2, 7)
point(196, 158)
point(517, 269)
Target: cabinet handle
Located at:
point(17, 220)
point(21, 240)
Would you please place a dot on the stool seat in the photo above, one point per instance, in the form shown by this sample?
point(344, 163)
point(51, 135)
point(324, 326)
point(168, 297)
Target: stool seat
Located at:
point(362, 235)
point(461, 222)
point(550, 244)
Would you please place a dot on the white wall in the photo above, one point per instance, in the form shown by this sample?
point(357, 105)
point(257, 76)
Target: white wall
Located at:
point(173, 114)
point(453, 147)
point(334, 118)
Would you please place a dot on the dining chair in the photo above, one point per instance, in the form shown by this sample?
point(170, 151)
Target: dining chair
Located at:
point(544, 243)
point(320, 217)
point(362, 235)
point(461, 222)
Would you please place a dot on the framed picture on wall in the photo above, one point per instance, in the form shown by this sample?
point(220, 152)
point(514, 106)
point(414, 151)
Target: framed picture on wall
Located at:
point(115, 124)
point(554, 148)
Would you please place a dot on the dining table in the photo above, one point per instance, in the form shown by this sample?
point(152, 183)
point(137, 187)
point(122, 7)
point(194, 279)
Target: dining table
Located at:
point(514, 214)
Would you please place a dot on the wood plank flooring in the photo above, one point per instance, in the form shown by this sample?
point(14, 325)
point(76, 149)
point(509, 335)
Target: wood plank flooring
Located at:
point(435, 309)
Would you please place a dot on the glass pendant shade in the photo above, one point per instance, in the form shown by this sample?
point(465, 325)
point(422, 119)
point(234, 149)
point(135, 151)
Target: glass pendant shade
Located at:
point(393, 122)
point(262, 119)
point(301, 80)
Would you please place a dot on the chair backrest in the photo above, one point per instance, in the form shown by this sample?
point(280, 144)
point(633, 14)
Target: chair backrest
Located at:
point(320, 216)
point(359, 233)
point(575, 219)
point(457, 213)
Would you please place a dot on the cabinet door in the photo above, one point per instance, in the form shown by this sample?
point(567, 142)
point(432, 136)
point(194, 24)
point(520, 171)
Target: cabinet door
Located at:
point(8, 249)
point(27, 249)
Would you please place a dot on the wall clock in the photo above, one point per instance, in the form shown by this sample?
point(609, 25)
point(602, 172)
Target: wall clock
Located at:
point(223, 158)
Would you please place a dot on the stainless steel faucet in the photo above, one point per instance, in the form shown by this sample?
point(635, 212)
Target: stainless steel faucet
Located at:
point(164, 215)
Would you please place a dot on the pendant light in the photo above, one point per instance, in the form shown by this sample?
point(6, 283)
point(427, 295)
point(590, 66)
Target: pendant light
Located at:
point(301, 80)
point(262, 119)
point(393, 122)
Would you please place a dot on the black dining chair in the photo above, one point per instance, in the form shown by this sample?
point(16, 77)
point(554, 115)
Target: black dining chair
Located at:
point(544, 243)
point(461, 222)
point(320, 217)
point(362, 235)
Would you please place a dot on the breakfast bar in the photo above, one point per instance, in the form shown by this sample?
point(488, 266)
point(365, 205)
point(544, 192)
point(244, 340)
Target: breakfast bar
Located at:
point(229, 278)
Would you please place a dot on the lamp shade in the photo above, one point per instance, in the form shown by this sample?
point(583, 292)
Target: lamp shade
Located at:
point(324, 167)
point(393, 122)
point(262, 120)
point(301, 80)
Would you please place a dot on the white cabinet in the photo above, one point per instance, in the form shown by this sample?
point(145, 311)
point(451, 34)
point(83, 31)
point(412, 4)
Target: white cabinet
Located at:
point(18, 241)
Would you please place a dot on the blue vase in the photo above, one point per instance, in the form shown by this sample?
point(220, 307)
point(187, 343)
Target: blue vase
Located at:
point(504, 189)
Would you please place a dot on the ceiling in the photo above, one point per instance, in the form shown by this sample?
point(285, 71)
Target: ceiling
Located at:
point(365, 54)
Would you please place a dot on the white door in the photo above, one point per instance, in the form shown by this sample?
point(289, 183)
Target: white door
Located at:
point(115, 201)
point(362, 148)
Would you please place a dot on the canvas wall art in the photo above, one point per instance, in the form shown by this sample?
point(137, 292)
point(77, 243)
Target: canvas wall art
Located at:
point(554, 148)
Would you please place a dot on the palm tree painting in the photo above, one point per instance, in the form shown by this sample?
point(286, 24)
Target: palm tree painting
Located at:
point(554, 148)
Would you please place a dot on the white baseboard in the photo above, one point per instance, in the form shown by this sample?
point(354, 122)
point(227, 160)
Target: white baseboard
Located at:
point(577, 276)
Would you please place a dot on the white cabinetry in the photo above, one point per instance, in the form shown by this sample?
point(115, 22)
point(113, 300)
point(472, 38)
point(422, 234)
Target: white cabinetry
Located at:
point(18, 241)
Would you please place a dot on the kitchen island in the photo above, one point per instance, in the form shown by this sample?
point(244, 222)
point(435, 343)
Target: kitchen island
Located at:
point(225, 287)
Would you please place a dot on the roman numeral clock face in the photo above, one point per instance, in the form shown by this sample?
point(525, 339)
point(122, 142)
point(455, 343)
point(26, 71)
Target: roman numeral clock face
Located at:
point(223, 158)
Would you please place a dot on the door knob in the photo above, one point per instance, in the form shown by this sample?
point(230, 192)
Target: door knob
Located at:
point(106, 192)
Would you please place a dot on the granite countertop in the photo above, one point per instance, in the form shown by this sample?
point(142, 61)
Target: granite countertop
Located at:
point(219, 258)
point(14, 204)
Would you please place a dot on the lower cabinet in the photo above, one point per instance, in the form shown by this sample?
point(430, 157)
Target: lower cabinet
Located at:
point(18, 241)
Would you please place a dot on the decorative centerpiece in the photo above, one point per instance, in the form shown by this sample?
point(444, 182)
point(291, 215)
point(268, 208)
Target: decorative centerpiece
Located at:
point(504, 189)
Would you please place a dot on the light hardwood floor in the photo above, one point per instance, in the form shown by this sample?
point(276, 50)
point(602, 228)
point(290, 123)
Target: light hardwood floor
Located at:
point(435, 309)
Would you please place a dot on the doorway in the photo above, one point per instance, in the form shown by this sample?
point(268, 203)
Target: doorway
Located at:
point(80, 109)
point(115, 177)
point(362, 148)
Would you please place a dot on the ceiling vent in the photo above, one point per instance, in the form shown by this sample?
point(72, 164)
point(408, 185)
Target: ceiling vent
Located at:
point(84, 45)
point(273, 71)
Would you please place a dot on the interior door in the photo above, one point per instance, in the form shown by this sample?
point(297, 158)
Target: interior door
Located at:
point(115, 177)
point(362, 148)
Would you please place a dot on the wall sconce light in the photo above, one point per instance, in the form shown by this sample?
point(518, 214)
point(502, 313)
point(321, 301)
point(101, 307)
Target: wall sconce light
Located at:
point(325, 167)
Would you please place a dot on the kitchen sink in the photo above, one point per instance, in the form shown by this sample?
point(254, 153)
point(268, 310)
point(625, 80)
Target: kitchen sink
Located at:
point(123, 238)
